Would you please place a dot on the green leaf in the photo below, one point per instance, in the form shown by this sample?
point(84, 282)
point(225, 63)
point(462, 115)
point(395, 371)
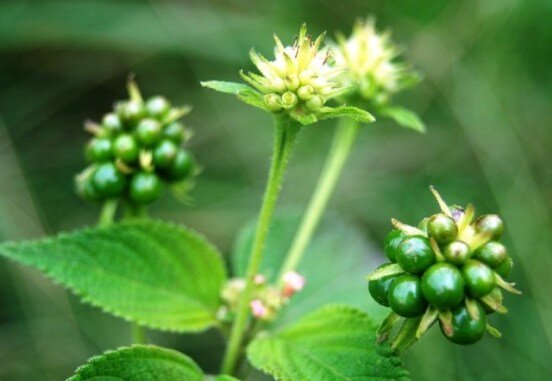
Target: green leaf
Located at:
point(253, 98)
point(139, 363)
point(347, 112)
point(335, 265)
point(304, 119)
point(335, 343)
point(154, 273)
point(404, 117)
point(226, 87)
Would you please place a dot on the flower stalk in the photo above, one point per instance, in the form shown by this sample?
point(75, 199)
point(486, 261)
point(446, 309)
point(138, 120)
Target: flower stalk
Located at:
point(285, 136)
point(343, 141)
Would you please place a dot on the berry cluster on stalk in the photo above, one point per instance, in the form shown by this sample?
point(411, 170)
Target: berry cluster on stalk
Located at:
point(136, 150)
point(450, 268)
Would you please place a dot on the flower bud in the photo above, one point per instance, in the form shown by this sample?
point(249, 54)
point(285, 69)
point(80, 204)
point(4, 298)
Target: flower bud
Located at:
point(273, 102)
point(293, 282)
point(289, 99)
point(315, 102)
point(305, 92)
point(292, 82)
point(258, 309)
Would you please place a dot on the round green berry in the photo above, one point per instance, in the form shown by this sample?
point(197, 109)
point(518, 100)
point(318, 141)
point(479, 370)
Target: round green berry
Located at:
point(182, 166)
point(479, 278)
point(490, 223)
point(443, 285)
point(145, 188)
point(442, 228)
point(414, 254)
point(148, 132)
point(505, 268)
point(492, 253)
point(392, 242)
point(457, 253)
point(379, 288)
point(405, 296)
point(165, 153)
point(130, 112)
point(108, 180)
point(126, 148)
point(158, 107)
point(175, 132)
point(99, 150)
point(466, 329)
point(112, 123)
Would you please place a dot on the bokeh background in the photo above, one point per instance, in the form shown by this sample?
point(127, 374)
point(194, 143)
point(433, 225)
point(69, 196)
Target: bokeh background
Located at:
point(486, 99)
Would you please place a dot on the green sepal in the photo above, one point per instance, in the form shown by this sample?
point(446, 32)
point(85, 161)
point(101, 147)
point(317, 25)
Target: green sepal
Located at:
point(355, 113)
point(242, 91)
point(404, 117)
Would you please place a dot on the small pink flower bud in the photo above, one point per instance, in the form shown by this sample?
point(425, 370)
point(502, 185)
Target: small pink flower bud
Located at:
point(259, 279)
point(258, 309)
point(293, 282)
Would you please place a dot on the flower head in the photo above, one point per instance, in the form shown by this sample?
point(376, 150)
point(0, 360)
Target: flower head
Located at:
point(293, 282)
point(299, 78)
point(367, 58)
point(298, 82)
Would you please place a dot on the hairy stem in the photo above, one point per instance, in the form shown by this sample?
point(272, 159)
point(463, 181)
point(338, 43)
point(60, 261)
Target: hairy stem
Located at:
point(107, 214)
point(343, 141)
point(285, 136)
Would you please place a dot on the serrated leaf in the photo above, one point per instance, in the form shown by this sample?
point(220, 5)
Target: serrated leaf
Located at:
point(139, 363)
point(404, 117)
point(347, 112)
point(335, 343)
point(333, 274)
point(226, 87)
point(154, 273)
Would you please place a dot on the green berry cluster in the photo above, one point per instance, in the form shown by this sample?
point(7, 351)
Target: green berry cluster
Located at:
point(450, 268)
point(135, 151)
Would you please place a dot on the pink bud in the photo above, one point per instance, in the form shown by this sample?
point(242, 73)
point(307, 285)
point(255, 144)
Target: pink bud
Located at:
point(293, 282)
point(258, 309)
point(259, 279)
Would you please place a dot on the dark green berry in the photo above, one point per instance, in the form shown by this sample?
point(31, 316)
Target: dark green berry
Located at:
point(112, 123)
point(492, 253)
point(130, 112)
point(165, 153)
point(182, 166)
point(457, 253)
point(442, 228)
point(99, 150)
point(158, 107)
point(414, 254)
point(379, 288)
point(108, 180)
point(126, 148)
point(405, 296)
point(443, 285)
point(492, 224)
point(149, 132)
point(145, 187)
point(479, 278)
point(466, 329)
point(392, 242)
point(175, 132)
point(505, 268)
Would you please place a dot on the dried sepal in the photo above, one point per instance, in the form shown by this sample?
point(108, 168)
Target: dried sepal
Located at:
point(428, 319)
point(391, 269)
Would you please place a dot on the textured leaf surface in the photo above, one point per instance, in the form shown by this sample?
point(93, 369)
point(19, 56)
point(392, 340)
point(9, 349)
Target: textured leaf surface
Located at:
point(139, 363)
point(335, 343)
point(404, 117)
point(335, 265)
point(154, 273)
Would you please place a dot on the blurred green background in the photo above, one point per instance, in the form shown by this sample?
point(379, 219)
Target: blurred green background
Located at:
point(486, 98)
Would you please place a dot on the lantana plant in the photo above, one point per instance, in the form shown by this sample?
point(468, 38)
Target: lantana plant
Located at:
point(161, 276)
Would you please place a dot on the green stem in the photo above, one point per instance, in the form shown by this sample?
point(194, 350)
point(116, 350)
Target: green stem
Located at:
point(286, 133)
point(107, 214)
point(133, 211)
point(138, 334)
point(343, 141)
